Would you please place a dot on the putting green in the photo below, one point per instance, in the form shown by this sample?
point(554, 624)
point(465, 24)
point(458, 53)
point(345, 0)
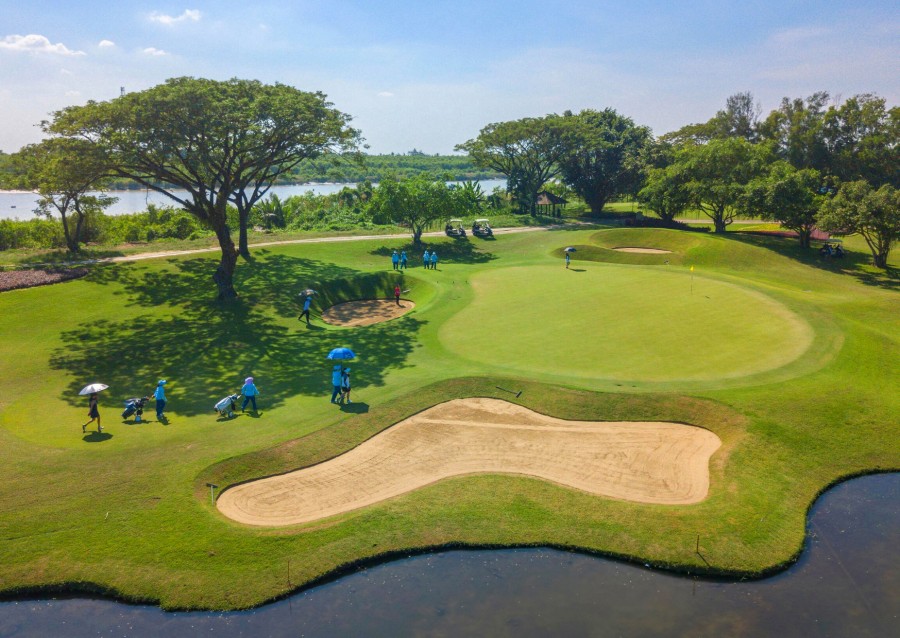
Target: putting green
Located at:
point(623, 323)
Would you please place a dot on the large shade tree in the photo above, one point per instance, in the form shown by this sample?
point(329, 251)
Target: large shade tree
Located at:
point(69, 176)
point(860, 208)
point(202, 143)
point(527, 151)
point(418, 202)
point(717, 173)
point(601, 158)
point(787, 195)
point(863, 139)
point(797, 129)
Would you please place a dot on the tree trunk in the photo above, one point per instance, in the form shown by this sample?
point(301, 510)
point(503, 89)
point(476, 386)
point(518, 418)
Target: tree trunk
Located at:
point(71, 246)
point(880, 259)
point(243, 247)
point(804, 234)
point(224, 275)
point(596, 205)
point(719, 222)
point(417, 235)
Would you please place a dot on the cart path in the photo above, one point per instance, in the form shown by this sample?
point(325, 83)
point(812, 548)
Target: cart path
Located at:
point(311, 240)
point(647, 462)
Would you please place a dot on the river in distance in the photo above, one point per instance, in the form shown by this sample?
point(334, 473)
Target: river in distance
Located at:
point(846, 583)
point(21, 204)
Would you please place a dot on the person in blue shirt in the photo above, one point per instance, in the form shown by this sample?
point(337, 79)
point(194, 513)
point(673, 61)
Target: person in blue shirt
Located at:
point(336, 379)
point(306, 304)
point(160, 395)
point(426, 259)
point(403, 260)
point(395, 259)
point(250, 393)
point(434, 260)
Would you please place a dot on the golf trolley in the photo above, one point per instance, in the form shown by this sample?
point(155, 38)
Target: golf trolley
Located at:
point(136, 407)
point(227, 406)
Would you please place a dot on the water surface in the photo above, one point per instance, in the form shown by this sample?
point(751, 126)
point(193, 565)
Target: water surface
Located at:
point(847, 583)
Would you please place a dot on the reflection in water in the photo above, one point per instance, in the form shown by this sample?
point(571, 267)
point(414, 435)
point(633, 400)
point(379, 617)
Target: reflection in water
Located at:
point(846, 584)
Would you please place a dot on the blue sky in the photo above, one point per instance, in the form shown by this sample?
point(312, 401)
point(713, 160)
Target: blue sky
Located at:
point(431, 74)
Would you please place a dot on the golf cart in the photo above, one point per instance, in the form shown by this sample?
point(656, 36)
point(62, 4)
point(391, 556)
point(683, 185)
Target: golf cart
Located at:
point(832, 248)
point(454, 228)
point(481, 228)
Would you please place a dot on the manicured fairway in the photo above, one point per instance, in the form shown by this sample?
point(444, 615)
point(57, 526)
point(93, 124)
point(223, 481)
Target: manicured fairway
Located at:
point(623, 323)
point(789, 360)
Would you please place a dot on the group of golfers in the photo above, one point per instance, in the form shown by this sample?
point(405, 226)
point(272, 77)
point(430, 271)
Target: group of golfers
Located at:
point(399, 260)
point(135, 406)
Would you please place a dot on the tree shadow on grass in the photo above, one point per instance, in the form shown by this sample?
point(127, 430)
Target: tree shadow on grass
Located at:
point(274, 280)
point(855, 264)
point(460, 251)
point(206, 356)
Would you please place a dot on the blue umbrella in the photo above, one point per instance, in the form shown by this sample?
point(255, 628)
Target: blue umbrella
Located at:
point(341, 354)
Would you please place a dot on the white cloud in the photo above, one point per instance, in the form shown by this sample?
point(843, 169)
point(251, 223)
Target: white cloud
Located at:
point(385, 94)
point(192, 15)
point(106, 43)
point(73, 93)
point(798, 34)
point(154, 51)
point(35, 44)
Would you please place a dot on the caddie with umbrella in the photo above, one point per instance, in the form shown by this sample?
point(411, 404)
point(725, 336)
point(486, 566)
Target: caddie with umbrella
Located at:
point(93, 410)
point(337, 371)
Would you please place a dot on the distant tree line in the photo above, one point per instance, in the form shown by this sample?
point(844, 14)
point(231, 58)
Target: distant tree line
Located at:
point(810, 163)
point(215, 149)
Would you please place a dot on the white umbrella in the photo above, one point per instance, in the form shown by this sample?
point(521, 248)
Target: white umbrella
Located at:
point(92, 388)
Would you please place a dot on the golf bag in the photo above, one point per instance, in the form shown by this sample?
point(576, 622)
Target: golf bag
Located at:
point(227, 406)
point(136, 407)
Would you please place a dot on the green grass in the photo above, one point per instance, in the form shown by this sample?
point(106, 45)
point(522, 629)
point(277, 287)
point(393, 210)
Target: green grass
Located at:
point(791, 361)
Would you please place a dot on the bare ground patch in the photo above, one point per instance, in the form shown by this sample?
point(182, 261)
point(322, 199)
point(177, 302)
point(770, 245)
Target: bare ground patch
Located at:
point(16, 279)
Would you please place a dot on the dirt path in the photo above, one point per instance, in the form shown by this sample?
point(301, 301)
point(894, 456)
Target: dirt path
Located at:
point(650, 462)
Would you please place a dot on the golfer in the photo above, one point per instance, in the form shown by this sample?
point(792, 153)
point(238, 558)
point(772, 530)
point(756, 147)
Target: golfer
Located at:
point(395, 259)
point(345, 386)
point(403, 260)
point(250, 392)
point(567, 260)
point(336, 381)
point(434, 260)
point(306, 304)
point(94, 413)
point(160, 395)
point(397, 293)
point(426, 259)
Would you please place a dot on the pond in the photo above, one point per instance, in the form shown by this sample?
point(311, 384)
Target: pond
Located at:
point(21, 205)
point(846, 583)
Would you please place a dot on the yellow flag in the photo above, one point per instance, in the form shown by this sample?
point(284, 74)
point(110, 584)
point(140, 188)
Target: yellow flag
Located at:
point(692, 269)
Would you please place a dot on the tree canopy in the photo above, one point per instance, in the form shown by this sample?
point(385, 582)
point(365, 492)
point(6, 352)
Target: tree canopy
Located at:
point(64, 173)
point(787, 195)
point(527, 151)
point(417, 202)
point(860, 208)
point(203, 142)
point(601, 156)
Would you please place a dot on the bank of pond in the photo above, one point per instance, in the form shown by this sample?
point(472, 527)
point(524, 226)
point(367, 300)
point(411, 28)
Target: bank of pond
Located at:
point(844, 584)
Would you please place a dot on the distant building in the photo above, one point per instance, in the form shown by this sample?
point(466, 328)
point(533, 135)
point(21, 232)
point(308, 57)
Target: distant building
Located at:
point(549, 204)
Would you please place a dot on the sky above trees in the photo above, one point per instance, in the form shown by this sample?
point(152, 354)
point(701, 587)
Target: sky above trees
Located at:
point(430, 75)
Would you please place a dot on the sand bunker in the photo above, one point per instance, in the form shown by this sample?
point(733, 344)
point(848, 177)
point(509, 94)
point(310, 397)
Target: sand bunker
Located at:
point(638, 249)
point(650, 462)
point(366, 312)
